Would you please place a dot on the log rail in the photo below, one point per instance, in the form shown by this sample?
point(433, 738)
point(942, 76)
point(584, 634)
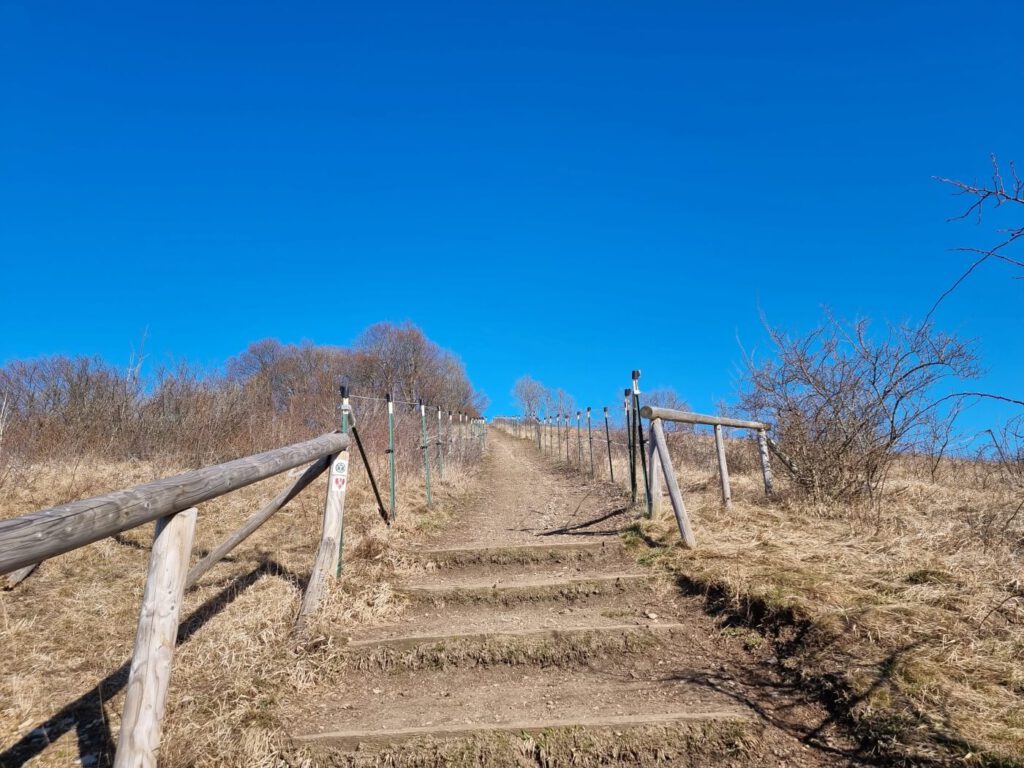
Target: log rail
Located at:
point(171, 502)
point(659, 459)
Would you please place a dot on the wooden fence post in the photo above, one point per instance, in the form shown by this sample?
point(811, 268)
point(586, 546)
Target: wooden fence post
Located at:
point(654, 479)
point(141, 720)
point(723, 468)
point(328, 555)
point(676, 496)
point(766, 467)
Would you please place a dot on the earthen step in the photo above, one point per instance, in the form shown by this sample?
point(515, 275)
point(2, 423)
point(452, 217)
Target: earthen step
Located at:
point(639, 688)
point(523, 587)
point(356, 738)
point(566, 552)
point(412, 641)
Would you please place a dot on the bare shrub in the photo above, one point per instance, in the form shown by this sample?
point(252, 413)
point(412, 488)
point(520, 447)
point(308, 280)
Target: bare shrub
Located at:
point(844, 403)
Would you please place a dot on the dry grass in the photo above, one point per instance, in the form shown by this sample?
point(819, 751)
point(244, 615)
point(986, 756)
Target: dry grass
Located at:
point(67, 631)
point(909, 613)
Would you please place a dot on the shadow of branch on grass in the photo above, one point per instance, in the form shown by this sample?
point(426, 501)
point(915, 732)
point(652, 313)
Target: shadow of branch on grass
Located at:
point(86, 714)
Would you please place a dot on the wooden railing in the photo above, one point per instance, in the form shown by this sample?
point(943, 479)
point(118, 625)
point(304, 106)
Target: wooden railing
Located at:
point(171, 502)
point(659, 456)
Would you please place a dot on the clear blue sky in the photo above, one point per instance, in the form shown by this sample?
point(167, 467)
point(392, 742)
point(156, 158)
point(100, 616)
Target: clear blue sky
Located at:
point(563, 189)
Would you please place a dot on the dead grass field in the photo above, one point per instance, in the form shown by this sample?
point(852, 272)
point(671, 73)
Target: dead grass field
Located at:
point(67, 631)
point(908, 616)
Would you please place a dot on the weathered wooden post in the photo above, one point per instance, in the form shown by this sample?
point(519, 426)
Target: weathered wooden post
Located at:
point(674, 494)
point(142, 718)
point(723, 468)
point(328, 555)
point(425, 445)
point(568, 437)
point(766, 467)
point(654, 478)
point(391, 453)
point(608, 442)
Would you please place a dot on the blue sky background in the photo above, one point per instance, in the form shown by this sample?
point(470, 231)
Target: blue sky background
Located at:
point(569, 190)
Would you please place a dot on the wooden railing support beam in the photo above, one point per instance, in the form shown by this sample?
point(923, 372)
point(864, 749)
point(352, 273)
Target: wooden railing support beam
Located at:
point(676, 496)
point(141, 721)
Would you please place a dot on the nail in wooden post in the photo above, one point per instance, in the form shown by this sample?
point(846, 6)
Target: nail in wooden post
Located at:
point(674, 494)
point(723, 468)
point(608, 442)
point(766, 467)
point(142, 718)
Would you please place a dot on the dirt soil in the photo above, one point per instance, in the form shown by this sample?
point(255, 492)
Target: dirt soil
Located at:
point(533, 635)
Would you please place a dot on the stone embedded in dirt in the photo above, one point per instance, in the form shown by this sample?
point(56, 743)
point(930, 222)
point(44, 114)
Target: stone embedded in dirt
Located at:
point(651, 615)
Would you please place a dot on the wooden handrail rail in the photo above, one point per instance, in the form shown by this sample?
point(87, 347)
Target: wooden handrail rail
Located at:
point(686, 417)
point(40, 535)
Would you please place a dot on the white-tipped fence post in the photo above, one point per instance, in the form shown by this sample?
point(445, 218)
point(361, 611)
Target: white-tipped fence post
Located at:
point(138, 743)
point(766, 467)
point(676, 496)
point(723, 468)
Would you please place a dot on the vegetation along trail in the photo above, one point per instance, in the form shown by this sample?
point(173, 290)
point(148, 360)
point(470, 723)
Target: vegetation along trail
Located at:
point(536, 632)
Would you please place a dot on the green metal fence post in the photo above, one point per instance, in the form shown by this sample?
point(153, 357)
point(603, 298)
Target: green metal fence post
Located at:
point(440, 451)
point(391, 453)
point(426, 452)
point(639, 442)
point(590, 442)
point(629, 444)
point(579, 442)
point(608, 440)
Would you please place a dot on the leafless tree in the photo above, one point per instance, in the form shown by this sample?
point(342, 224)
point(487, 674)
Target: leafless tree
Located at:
point(844, 402)
point(988, 197)
point(529, 393)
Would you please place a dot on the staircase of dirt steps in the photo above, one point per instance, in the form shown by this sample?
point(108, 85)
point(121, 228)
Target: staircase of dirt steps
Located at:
point(563, 648)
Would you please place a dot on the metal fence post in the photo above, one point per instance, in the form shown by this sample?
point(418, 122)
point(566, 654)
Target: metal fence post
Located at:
point(629, 444)
point(440, 450)
point(391, 453)
point(640, 436)
point(608, 440)
point(579, 443)
point(424, 443)
point(590, 442)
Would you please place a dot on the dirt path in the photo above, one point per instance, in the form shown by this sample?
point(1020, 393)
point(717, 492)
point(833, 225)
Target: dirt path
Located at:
point(533, 636)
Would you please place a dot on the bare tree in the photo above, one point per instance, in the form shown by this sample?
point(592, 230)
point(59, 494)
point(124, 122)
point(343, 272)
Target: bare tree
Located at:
point(988, 197)
point(844, 402)
point(530, 393)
